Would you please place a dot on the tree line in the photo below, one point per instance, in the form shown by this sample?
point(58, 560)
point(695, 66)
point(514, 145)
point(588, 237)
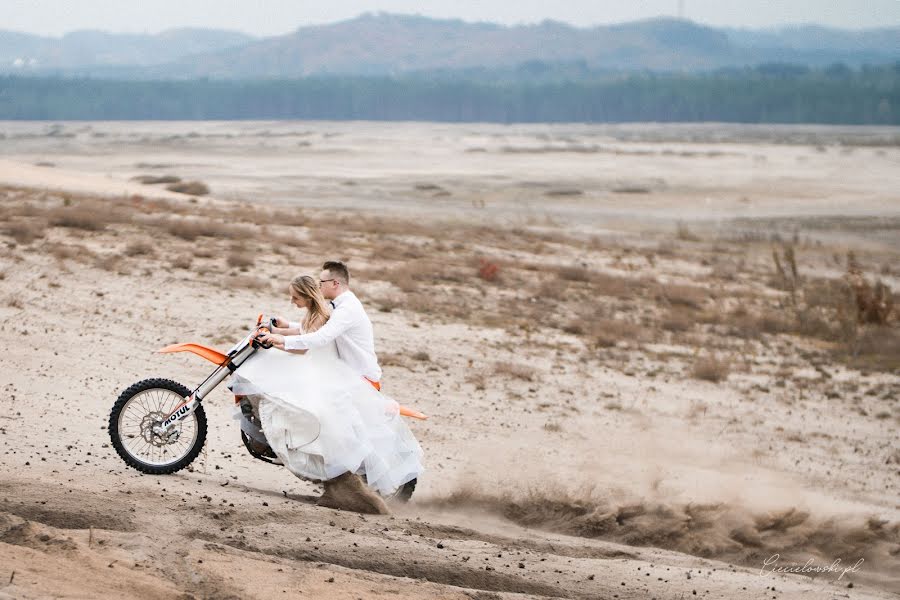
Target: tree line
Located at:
point(775, 93)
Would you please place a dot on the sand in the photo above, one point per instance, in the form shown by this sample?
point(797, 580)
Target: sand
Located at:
point(556, 468)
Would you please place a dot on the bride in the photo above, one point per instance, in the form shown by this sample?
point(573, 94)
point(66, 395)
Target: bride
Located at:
point(324, 421)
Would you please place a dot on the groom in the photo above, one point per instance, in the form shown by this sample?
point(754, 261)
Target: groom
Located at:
point(348, 327)
point(351, 330)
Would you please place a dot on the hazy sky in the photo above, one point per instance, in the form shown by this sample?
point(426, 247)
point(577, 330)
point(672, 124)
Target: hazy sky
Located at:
point(271, 17)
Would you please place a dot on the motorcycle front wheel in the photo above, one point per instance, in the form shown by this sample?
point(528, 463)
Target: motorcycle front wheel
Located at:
point(138, 410)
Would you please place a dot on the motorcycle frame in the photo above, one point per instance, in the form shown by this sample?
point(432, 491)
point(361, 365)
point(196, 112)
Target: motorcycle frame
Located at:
point(227, 364)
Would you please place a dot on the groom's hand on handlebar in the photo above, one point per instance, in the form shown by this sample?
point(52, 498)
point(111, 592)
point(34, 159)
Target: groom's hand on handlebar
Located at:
point(271, 339)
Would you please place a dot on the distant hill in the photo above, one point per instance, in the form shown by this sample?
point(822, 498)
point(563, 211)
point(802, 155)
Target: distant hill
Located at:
point(388, 44)
point(24, 53)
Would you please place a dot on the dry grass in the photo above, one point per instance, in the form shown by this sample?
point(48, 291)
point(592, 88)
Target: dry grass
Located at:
point(204, 252)
point(24, 232)
point(710, 368)
point(247, 282)
point(240, 259)
point(190, 229)
point(183, 261)
point(606, 333)
point(684, 234)
point(290, 240)
point(412, 276)
point(15, 302)
point(139, 248)
point(616, 286)
point(156, 179)
point(386, 304)
point(191, 188)
point(436, 266)
point(391, 359)
point(109, 262)
point(288, 217)
point(61, 251)
point(746, 325)
point(874, 303)
point(575, 274)
point(87, 217)
point(421, 356)
point(514, 370)
point(681, 295)
point(478, 379)
point(877, 347)
point(677, 320)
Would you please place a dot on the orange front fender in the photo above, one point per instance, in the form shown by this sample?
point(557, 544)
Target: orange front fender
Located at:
point(210, 354)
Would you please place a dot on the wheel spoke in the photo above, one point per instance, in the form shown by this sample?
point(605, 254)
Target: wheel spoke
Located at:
point(141, 413)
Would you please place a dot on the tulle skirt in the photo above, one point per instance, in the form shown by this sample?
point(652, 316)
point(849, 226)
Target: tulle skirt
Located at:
point(322, 419)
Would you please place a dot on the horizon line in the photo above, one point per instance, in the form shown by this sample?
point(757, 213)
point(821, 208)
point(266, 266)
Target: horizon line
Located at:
point(661, 17)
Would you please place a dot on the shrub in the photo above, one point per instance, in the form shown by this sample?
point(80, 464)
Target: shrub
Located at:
point(23, 232)
point(477, 379)
point(191, 229)
point(154, 179)
point(516, 371)
point(877, 347)
point(874, 304)
point(677, 320)
point(182, 262)
point(246, 282)
point(710, 368)
point(79, 217)
point(751, 326)
point(574, 274)
point(110, 262)
point(191, 188)
point(138, 248)
point(487, 270)
point(685, 234)
point(616, 286)
point(683, 295)
point(241, 260)
point(66, 251)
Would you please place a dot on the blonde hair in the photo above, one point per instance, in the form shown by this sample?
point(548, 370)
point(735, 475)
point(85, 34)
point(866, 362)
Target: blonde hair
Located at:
point(319, 310)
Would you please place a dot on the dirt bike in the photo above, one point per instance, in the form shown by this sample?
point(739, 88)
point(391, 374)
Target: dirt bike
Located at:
point(158, 426)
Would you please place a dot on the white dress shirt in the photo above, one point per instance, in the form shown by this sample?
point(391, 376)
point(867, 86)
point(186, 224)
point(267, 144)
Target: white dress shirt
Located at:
point(351, 330)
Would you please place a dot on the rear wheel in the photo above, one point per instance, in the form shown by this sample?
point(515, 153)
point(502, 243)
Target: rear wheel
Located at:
point(138, 410)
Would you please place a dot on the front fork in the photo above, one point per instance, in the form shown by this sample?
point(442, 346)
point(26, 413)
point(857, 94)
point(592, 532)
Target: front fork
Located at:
point(186, 408)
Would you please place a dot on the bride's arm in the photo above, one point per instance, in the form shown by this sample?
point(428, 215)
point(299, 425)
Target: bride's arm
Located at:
point(287, 330)
point(282, 326)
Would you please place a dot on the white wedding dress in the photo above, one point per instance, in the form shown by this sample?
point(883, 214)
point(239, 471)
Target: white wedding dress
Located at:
point(322, 419)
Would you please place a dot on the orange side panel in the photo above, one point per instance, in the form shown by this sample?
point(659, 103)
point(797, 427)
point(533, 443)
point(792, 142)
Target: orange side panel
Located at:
point(210, 354)
point(406, 412)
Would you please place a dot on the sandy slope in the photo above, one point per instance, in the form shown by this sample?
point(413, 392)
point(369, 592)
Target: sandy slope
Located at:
point(561, 487)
